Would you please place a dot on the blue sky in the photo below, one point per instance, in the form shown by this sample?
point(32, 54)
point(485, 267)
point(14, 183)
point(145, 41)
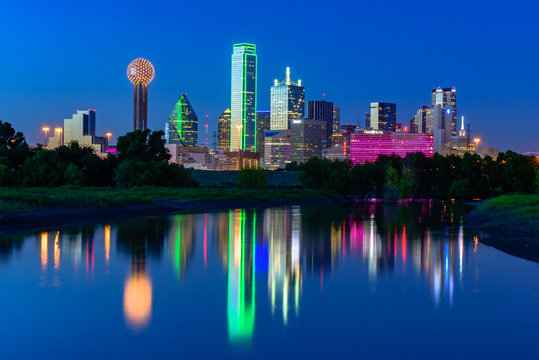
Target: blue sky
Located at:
point(62, 56)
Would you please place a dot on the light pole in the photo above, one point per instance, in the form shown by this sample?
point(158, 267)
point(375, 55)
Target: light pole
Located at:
point(46, 131)
point(477, 141)
point(59, 132)
point(108, 135)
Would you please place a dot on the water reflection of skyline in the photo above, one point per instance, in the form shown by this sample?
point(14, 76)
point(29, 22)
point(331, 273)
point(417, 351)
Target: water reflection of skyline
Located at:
point(286, 243)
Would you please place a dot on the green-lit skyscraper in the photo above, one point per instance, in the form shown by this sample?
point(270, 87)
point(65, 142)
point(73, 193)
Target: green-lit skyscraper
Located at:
point(183, 124)
point(243, 99)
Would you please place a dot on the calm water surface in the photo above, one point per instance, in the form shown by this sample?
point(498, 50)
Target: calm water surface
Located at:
point(366, 281)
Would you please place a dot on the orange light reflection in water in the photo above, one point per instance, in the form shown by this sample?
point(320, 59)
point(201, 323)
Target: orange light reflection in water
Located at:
point(138, 301)
point(44, 249)
point(107, 243)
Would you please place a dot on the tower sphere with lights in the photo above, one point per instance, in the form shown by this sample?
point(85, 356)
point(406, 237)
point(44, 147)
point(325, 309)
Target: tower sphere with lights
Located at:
point(140, 72)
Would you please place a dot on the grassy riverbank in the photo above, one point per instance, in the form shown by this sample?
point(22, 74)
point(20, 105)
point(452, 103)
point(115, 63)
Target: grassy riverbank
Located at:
point(508, 213)
point(510, 223)
point(22, 200)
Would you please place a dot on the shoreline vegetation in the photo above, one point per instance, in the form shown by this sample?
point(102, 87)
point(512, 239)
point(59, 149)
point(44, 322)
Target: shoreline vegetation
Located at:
point(510, 223)
point(29, 207)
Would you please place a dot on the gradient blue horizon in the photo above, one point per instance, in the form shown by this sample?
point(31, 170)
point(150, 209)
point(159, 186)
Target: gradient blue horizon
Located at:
point(63, 56)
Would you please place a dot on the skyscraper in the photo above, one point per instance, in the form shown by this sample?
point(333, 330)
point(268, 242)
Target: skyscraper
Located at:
point(322, 110)
point(277, 149)
point(336, 120)
point(243, 99)
point(306, 139)
point(447, 97)
point(287, 102)
point(383, 116)
point(223, 131)
point(420, 121)
point(262, 124)
point(441, 118)
point(140, 72)
point(183, 123)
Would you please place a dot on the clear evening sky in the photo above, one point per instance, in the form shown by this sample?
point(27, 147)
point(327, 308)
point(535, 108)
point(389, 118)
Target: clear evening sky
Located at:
point(60, 56)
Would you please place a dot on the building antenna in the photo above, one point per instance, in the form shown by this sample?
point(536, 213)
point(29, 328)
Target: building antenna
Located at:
point(206, 129)
point(324, 97)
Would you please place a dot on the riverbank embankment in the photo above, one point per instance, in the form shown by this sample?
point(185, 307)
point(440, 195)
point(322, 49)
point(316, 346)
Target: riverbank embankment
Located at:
point(31, 207)
point(509, 223)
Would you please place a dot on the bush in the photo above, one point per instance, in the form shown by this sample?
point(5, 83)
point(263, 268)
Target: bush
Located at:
point(252, 178)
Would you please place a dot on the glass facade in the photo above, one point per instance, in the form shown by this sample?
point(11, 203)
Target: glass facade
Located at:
point(322, 110)
point(287, 102)
point(276, 149)
point(447, 97)
point(183, 124)
point(336, 119)
point(420, 121)
point(383, 116)
point(243, 99)
point(80, 128)
point(262, 124)
point(223, 131)
point(367, 146)
point(306, 139)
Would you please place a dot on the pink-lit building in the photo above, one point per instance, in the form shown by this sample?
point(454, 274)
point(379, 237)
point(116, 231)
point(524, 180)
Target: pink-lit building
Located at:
point(366, 146)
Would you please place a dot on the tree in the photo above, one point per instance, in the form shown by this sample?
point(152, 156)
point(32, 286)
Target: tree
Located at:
point(142, 146)
point(43, 169)
point(252, 178)
point(10, 138)
point(406, 184)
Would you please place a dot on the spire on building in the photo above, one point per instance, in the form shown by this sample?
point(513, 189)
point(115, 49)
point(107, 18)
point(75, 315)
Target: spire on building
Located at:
point(462, 132)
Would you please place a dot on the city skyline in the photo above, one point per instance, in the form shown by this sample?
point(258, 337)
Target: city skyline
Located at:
point(488, 97)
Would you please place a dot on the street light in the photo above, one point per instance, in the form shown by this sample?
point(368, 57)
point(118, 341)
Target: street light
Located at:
point(477, 141)
point(108, 135)
point(59, 132)
point(46, 131)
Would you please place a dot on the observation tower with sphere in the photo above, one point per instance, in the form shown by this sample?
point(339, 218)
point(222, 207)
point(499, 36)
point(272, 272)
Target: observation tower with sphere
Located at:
point(140, 72)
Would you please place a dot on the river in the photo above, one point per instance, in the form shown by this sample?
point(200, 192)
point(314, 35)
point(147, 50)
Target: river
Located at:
point(367, 280)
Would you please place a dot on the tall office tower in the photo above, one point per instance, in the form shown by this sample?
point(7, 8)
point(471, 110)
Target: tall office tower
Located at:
point(243, 100)
point(183, 124)
point(223, 131)
point(322, 110)
point(367, 120)
point(287, 102)
point(140, 72)
point(413, 128)
point(263, 119)
point(447, 97)
point(420, 120)
point(441, 117)
point(336, 120)
point(383, 116)
point(306, 139)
